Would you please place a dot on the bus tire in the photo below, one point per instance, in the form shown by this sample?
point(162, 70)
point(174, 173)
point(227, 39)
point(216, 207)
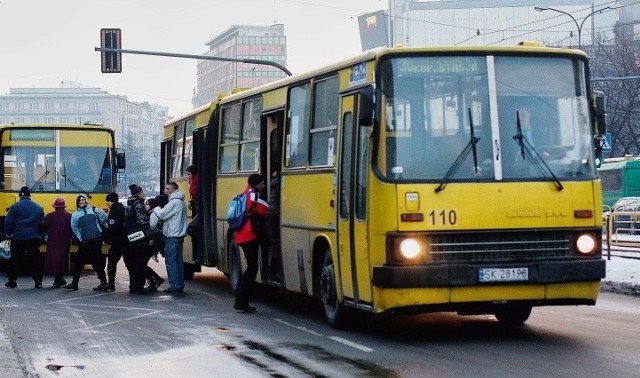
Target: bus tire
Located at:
point(513, 314)
point(334, 310)
point(235, 270)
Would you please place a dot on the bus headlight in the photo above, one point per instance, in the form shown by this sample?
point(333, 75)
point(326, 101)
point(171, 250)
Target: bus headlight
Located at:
point(403, 248)
point(409, 248)
point(586, 244)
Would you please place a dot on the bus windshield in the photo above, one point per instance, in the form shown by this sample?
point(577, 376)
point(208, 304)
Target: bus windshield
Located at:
point(484, 118)
point(53, 166)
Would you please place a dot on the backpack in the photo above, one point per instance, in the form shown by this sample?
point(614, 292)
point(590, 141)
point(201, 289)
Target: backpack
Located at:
point(237, 213)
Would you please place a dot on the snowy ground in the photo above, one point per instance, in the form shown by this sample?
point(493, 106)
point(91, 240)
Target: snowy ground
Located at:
point(623, 273)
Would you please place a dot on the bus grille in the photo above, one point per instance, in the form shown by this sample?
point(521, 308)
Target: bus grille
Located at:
point(499, 246)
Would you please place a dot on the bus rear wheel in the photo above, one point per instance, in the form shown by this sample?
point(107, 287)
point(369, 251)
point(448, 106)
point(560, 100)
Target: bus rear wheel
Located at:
point(334, 311)
point(513, 314)
point(235, 270)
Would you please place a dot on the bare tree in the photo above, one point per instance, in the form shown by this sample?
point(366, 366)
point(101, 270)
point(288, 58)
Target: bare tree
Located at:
point(611, 67)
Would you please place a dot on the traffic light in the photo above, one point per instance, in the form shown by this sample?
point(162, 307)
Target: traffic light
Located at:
point(111, 62)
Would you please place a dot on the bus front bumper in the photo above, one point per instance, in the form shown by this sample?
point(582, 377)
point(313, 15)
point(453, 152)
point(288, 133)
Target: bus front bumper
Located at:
point(469, 274)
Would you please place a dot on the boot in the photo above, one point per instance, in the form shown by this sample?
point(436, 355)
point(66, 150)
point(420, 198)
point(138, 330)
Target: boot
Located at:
point(73, 285)
point(152, 284)
point(59, 281)
point(111, 286)
point(104, 286)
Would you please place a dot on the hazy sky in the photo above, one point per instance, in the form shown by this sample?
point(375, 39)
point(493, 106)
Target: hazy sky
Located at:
point(47, 42)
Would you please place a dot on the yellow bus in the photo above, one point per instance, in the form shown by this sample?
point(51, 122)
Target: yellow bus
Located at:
point(58, 161)
point(414, 180)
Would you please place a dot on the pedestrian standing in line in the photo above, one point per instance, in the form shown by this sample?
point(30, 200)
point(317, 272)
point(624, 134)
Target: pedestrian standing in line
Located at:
point(85, 224)
point(174, 228)
point(156, 244)
point(116, 237)
point(137, 220)
point(57, 224)
point(22, 226)
point(248, 238)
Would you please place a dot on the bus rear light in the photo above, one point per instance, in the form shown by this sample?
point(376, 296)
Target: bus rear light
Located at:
point(583, 213)
point(412, 217)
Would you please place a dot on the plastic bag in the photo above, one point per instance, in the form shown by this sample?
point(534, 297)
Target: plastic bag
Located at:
point(5, 249)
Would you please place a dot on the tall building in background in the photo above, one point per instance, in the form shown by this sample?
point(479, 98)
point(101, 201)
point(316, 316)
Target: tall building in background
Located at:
point(240, 42)
point(138, 126)
point(501, 22)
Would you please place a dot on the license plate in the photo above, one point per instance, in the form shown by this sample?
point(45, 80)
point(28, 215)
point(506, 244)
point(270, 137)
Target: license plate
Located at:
point(503, 274)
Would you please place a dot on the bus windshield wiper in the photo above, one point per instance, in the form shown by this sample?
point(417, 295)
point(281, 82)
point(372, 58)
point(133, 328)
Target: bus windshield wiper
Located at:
point(528, 151)
point(73, 183)
point(41, 178)
point(471, 147)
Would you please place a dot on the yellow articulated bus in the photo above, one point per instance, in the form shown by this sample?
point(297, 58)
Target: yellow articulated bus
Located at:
point(414, 180)
point(57, 161)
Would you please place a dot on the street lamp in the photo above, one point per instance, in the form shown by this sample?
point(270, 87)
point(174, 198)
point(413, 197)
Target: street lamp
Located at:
point(578, 25)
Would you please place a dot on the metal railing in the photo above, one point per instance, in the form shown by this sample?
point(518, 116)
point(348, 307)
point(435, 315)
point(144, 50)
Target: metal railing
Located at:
point(621, 230)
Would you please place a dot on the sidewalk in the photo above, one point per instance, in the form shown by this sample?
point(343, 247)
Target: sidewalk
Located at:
point(9, 365)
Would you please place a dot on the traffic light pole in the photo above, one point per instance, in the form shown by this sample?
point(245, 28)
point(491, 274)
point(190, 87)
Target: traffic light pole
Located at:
point(201, 57)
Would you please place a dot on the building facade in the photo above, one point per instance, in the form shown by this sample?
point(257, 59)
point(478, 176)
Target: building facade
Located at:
point(240, 42)
point(138, 126)
point(501, 22)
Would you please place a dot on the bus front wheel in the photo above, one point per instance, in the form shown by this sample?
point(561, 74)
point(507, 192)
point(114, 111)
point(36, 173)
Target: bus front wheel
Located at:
point(235, 271)
point(513, 314)
point(334, 311)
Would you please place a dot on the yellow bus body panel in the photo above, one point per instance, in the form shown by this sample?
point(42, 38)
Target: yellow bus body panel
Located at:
point(388, 299)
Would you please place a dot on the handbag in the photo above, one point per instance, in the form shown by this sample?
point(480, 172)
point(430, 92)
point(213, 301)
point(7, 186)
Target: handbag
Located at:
point(5, 249)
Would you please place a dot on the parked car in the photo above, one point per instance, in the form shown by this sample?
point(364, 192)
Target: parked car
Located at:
point(625, 215)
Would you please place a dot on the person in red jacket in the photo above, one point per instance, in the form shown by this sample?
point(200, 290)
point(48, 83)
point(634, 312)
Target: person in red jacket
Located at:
point(248, 237)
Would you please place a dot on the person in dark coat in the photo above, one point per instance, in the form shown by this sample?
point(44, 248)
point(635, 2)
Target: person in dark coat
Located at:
point(138, 250)
point(22, 226)
point(117, 238)
point(58, 226)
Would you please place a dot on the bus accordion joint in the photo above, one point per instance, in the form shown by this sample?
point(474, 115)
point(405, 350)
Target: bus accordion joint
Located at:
point(412, 217)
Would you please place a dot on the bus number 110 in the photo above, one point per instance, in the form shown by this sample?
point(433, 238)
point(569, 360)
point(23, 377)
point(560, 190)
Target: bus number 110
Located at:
point(444, 217)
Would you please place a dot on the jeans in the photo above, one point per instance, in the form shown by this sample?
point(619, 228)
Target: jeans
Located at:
point(173, 261)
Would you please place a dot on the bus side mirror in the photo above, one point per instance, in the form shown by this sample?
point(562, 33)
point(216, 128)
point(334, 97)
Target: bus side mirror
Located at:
point(367, 104)
point(121, 160)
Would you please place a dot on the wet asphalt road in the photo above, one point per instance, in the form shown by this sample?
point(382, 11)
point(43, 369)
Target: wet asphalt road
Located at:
point(61, 333)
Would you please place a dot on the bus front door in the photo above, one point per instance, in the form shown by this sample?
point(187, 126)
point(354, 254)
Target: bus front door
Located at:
point(353, 246)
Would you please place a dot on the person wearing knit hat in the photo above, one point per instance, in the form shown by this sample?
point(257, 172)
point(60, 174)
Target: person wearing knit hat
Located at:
point(22, 226)
point(135, 189)
point(250, 236)
point(24, 192)
point(137, 220)
point(57, 224)
point(116, 237)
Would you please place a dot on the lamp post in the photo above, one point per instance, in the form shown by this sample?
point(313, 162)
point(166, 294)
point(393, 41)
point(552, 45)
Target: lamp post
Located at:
point(578, 25)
